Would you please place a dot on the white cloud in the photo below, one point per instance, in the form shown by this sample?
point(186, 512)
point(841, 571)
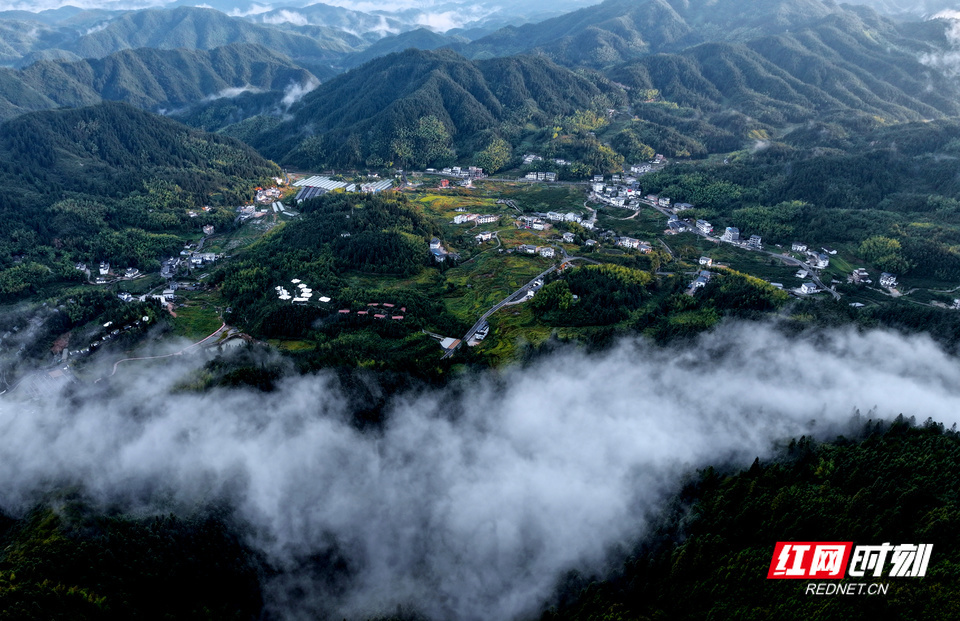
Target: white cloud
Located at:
point(947, 61)
point(286, 17)
point(295, 92)
point(469, 502)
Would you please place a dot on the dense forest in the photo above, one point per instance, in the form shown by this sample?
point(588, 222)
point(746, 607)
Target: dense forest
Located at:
point(148, 78)
point(338, 236)
point(418, 109)
point(110, 182)
point(710, 551)
point(706, 554)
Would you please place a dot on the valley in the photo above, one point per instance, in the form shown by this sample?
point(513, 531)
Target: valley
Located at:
point(448, 311)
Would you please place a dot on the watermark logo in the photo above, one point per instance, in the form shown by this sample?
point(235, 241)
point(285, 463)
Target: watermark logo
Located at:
point(810, 560)
point(834, 560)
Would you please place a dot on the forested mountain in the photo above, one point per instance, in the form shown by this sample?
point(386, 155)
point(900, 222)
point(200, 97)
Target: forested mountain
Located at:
point(422, 108)
point(843, 65)
point(712, 549)
point(148, 78)
point(421, 39)
point(181, 27)
point(203, 29)
point(617, 30)
point(109, 181)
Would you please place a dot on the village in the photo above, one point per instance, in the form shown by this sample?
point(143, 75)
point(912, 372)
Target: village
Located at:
point(509, 226)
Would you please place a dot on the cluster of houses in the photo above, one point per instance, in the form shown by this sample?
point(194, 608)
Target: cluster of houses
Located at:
point(471, 172)
point(634, 244)
point(620, 192)
point(247, 212)
point(169, 267)
point(816, 260)
point(376, 310)
point(540, 176)
point(701, 281)
point(440, 253)
point(108, 335)
point(860, 276)
point(486, 218)
point(538, 222)
point(547, 252)
point(731, 235)
point(268, 195)
point(194, 259)
point(104, 273)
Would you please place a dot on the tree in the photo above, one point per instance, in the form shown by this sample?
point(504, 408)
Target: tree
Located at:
point(885, 253)
point(495, 156)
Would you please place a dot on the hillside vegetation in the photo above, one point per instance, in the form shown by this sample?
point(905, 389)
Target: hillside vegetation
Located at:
point(109, 182)
point(148, 78)
point(711, 551)
point(418, 108)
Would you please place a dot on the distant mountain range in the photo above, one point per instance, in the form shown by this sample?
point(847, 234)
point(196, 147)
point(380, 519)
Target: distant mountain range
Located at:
point(842, 63)
point(619, 30)
point(151, 79)
point(362, 115)
point(700, 76)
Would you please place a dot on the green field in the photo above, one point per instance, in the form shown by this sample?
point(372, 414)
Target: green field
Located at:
point(487, 280)
point(200, 315)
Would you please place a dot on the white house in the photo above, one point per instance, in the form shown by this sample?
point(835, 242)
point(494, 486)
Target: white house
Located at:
point(731, 234)
point(485, 236)
point(888, 280)
point(663, 201)
point(819, 260)
point(704, 227)
point(628, 242)
point(546, 252)
point(798, 247)
point(808, 287)
point(487, 218)
point(707, 261)
point(568, 237)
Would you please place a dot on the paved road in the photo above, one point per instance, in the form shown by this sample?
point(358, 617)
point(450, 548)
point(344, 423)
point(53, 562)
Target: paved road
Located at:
point(522, 290)
point(186, 349)
point(513, 297)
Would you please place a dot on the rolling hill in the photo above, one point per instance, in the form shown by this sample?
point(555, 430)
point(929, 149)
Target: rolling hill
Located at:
point(444, 103)
point(618, 30)
point(421, 39)
point(111, 181)
point(835, 67)
point(149, 78)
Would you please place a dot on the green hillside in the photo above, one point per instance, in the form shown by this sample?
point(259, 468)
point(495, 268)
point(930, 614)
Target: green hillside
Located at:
point(110, 182)
point(148, 78)
point(203, 29)
point(710, 552)
point(421, 39)
point(422, 108)
point(617, 30)
point(843, 71)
